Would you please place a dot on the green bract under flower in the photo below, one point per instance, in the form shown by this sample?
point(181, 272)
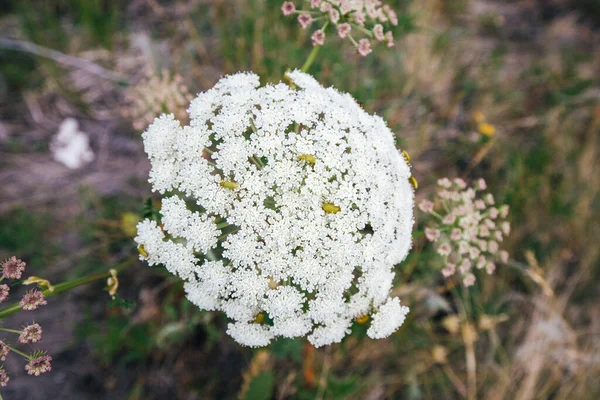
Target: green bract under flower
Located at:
point(320, 212)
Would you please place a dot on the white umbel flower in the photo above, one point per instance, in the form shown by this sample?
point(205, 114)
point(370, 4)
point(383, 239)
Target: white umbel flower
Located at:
point(287, 209)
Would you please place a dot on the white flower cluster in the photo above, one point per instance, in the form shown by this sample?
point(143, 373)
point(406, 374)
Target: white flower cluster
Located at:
point(288, 208)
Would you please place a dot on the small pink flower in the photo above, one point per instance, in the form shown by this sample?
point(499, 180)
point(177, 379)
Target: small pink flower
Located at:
point(444, 194)
point(469, 280)
point(390, 39)
point(484, 231)
point(444, 182)
point(426, 206)
point(359, 18)
point(504, 211)
point(489, 198)
point(3, 378)
point(32, 300)
point(364, 47)
point(474, 252)
point(305, 20)
point(481, 262)
point(39, 364)
point(343, 30)
point(505, 228)
point(432, 234)
point(288, 8)
point(493, 247)
point(448, 270)
point(468, 194)
point(315, 3)
point(334, 15)
point(4, 350)
point(393, 17)
point(449, 219)
point(12, 268)
point(378, 32)
point(494, 213)
point(31, 334)
point(318, 37)
point(480, 205)
point(498, 236)
point(4, 290)
point(465, 266)
point(460, 210)
point(456, 234)
point(345, 7)
point(325, 7)
point(463, 248)
point(444, 249)
point(483, 245)
point(490, 268)
point(460, 183)
point(489, 223)
point(480, 184)
point(504, 256)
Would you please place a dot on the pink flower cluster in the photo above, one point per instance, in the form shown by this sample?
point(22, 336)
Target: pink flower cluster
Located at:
point(37, 362)
point(467, 229)
point(350, 18)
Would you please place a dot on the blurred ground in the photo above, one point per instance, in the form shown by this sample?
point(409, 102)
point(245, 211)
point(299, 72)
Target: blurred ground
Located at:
point(531, 67)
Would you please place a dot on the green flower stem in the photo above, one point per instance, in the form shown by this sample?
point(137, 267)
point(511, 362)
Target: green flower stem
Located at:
point(307, 12)
point(222, 237)
point(354, 42)
point(19, 352)
point(436, 215)
point(66, 286)
point(10, 330)
point(363, 29)
point(313, 53)
point(222, 225)
point(311, 58)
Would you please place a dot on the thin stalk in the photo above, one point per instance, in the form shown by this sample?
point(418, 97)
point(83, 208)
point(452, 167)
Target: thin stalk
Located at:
point(224, 236)
point(362, 29)
point(66, 286)
point(10, 330)
point(311, 58)
point(307, 12)
point(222, 225)
point(354, 42)
point(19, 352)
point(313, 53)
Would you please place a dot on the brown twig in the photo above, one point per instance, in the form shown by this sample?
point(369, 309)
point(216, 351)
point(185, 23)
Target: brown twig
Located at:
point(28, 47)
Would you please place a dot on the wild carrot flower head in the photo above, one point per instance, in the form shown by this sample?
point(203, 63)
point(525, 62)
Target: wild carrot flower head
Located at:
point(32, 300)
point(467, 228)
point(287, 210)
point(38, 364)
point(31, 334)
point(153, 95)
point(361, 21)
point(13, 268)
